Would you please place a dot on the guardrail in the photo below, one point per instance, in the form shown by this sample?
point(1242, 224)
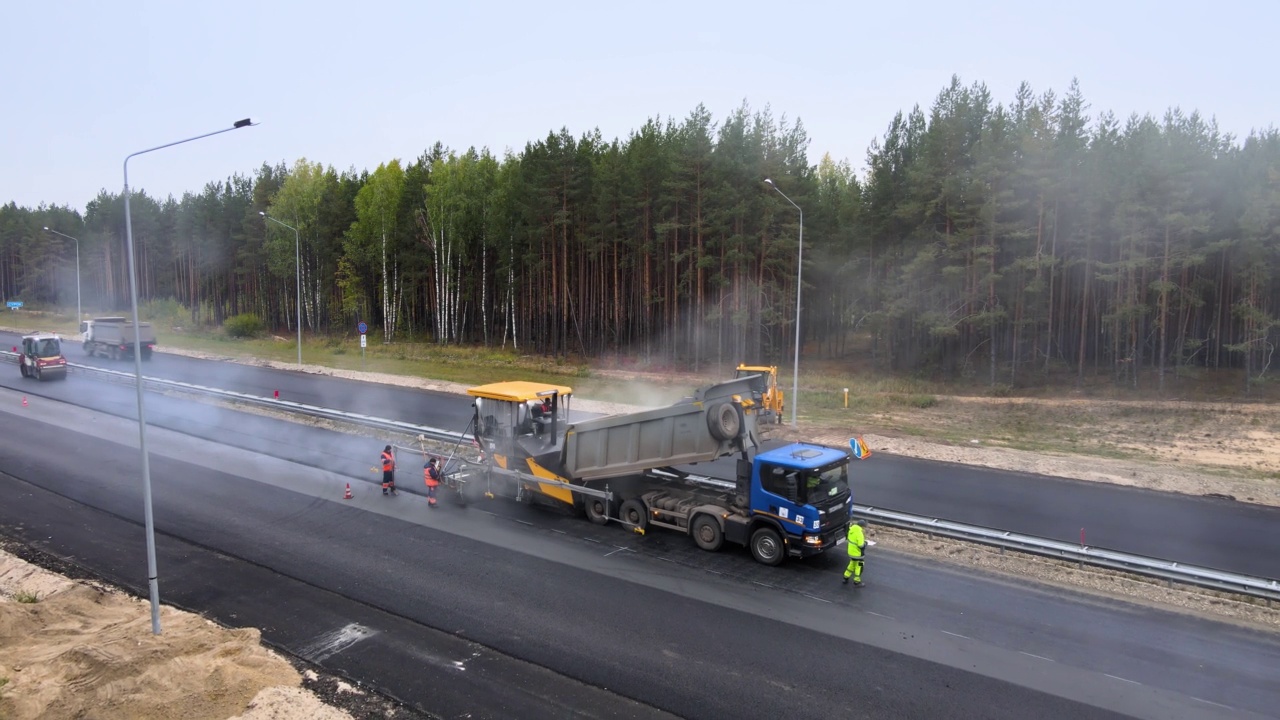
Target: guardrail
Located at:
point(266, 402)
point(1152, 567)
point(1168, 570)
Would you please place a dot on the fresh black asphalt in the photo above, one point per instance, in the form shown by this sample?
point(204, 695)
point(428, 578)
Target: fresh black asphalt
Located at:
point(651, 619)
point(249, 555)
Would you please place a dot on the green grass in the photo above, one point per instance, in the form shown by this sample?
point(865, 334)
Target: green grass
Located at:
point(29, 598)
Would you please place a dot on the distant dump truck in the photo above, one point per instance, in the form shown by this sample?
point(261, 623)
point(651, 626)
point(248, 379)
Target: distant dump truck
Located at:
point(112, 337)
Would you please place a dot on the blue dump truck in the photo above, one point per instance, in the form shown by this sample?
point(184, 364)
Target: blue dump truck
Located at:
point(632, 469)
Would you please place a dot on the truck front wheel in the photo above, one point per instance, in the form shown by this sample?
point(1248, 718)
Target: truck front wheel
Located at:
point(706, 532)
point(766, 546)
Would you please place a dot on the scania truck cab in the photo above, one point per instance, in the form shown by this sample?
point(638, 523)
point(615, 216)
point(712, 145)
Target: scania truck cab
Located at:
point(805, 489)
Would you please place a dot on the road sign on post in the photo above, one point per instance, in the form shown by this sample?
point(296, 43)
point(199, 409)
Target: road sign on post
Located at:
point(363, 328)
point(14, 304)
point(363, 340)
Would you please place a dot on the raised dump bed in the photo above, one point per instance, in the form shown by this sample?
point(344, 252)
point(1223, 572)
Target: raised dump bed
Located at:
point(708, 426)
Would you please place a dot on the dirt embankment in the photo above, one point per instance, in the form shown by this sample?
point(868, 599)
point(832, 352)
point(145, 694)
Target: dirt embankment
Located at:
point(75, 649)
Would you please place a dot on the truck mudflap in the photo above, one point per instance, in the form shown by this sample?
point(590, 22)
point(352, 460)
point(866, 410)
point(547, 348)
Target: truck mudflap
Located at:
point(737, 529)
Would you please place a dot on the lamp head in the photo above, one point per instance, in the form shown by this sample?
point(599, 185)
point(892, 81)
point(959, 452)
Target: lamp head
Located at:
point(242, 123)
point(263, 214)
point(768, 181)
point(46, 227)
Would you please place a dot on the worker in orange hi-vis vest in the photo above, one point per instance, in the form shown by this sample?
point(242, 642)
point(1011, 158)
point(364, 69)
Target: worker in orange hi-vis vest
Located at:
point(431, 475)
point(388, 472)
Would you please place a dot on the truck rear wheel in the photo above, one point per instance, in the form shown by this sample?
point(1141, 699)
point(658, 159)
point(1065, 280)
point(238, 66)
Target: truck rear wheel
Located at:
point(597, 510)
point(766, 546)
point(706, 532)
point(22, 367)
point(634, 513)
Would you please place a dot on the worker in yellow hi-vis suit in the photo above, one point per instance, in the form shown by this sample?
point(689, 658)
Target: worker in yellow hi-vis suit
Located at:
point(857, 546)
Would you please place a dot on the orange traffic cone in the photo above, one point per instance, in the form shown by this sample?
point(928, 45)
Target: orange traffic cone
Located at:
point(24, 401)
point(347, 495)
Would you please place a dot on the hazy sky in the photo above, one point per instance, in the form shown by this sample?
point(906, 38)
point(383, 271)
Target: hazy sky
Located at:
point(354, 84)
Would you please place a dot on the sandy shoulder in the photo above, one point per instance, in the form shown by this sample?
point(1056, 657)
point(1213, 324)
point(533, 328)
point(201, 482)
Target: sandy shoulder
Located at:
point(84, 650)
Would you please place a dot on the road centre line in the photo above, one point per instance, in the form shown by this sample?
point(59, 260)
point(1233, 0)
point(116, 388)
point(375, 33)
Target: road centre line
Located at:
point(944, 632)
point(1036, 656)
point(1117, 677)
point(1210, 702)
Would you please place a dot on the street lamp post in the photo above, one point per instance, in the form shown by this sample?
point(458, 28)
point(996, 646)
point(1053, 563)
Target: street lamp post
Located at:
point(152, 583)
point(795, 370)
point(55, 232)
point(297, 264)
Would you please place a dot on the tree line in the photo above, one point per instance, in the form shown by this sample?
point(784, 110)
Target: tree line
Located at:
point(988, 239)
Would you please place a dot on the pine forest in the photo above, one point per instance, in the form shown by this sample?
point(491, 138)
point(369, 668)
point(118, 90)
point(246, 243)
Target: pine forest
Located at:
point(1010, 242)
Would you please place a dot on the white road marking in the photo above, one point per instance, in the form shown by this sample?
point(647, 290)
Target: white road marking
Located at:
point(1036, 656)
point(1210, 702)
point(944, 632)
point(811, 597)
point(620, 549)
point(1117, 677)
point(886, 617)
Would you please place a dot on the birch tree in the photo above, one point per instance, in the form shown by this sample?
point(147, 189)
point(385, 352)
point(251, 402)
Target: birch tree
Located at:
point(377, 233)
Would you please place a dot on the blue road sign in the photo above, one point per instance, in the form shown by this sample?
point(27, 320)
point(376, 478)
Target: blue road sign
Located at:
point(15, 304)
point(362, 328)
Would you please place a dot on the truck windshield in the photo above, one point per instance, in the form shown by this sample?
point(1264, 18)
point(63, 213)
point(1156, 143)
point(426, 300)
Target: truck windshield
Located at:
point(823, 483)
